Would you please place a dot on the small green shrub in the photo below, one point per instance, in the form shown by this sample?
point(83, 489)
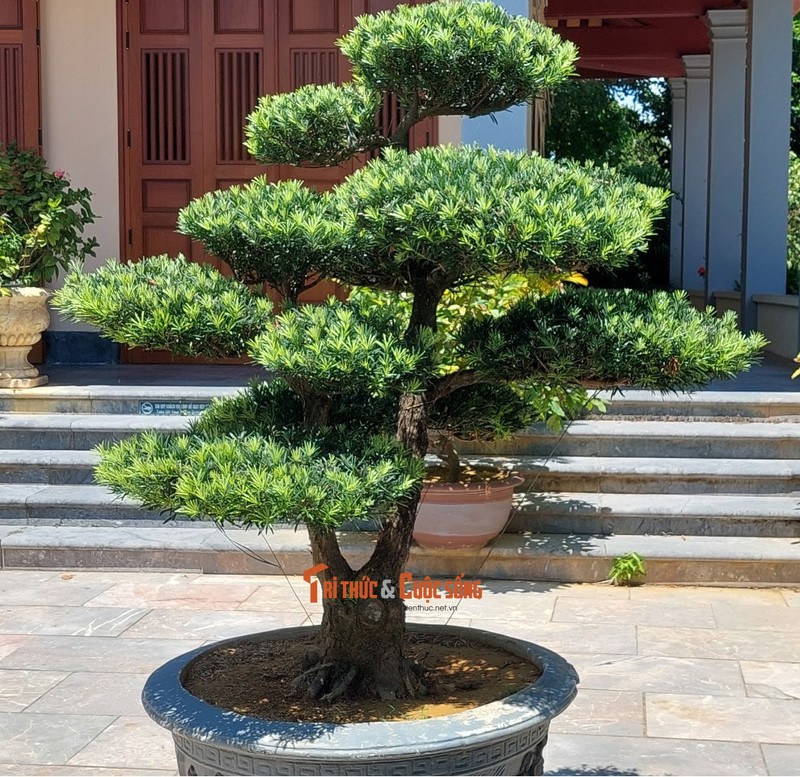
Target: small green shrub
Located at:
point(626, 569)
point(42, 219)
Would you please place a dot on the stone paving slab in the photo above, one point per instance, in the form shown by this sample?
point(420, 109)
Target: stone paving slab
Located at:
point(655, 699)
point(774, 721)
point(772, 679)
point(782, 759)
point(662, 674)
point(729, 644)
point(127, 741)
point(569, 754)
point(47, 739)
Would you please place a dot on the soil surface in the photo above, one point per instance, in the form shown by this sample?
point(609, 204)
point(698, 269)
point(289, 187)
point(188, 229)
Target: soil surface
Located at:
point(469, 475)
point(254, 678)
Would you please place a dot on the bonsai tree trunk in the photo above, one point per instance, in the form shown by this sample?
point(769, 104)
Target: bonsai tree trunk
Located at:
point(360, 644)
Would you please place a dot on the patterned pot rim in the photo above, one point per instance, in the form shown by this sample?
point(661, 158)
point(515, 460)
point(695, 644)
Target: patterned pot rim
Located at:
point(24, 292)
point(168, 703)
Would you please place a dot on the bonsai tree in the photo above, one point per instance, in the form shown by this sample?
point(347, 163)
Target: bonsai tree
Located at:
point(42, 219)
point(340, 429)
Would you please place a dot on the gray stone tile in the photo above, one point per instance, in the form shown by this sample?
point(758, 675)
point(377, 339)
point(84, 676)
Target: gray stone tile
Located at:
point(677, 613)
point(658, 674)
point(567, 637)
point(721, 643)
point(611, 713)
point(776, 721)
point(173, 595)
point(67, 621)
point(209, 625)
point(530, 608)
point(792, 597)
point(685, 593)
point(59, 590)
point(95, 693)
point(21, 687)
point(772, 679)
point(87, 654)
point(13, 770)
point(10, 643)
point(10, 577)
point(127, 742)
point(756, 617)
point(782, 759)
point(113, 577)
point(578, 754)
point(589, 590)
point(47, 739)
point(277, 596)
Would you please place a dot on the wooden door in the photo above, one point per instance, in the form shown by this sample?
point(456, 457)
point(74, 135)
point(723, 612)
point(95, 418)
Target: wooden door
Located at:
point(20, 103)
point(191, 72)
point(20, 114)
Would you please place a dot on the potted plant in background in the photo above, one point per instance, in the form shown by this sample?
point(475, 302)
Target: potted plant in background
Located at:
point(341, 430)
point(42, 219)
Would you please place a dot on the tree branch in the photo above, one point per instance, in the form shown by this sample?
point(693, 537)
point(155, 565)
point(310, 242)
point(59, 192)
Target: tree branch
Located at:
point(454, 381)
point(325, 550)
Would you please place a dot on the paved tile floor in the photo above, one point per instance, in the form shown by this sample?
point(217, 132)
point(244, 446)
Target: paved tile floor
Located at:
point(673, 680)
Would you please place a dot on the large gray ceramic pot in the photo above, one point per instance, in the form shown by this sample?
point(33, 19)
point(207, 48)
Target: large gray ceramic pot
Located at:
point(504, 737)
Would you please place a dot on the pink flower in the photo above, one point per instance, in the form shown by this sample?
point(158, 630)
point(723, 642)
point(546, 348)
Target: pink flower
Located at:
point(59, 173)
point(702, 272)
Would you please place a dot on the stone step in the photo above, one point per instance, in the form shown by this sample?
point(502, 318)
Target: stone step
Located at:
point(49, 467)
point(652, 439)
point(719, 515)
point(125, 400)
point(704, 404)
point(563, 558)
point(588, 474)
point(78, 505)
point(646, 475)
point(656, 439)
point(544, 513)
point(77, 431)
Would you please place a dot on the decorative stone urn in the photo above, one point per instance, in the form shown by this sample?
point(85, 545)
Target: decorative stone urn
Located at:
point(506, 737)
point(23, 318)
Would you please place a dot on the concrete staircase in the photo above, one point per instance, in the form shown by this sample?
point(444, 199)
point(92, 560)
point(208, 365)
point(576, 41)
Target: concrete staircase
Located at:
point(706, 488)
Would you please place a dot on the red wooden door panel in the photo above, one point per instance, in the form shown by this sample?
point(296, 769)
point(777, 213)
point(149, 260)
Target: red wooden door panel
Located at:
point(19, 73)
point(191, 72)
point(20, 104)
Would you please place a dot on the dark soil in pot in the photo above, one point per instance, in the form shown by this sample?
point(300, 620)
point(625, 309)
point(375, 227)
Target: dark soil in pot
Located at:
point(254, 678)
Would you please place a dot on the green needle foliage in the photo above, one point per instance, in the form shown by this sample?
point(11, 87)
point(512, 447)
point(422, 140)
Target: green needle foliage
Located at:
point(463, 322)
point(654, 341)
point(321, 125)
point(166, 302)
point(254, 480)
point(327, 350)
point(451, 215)
point(266, 233)
point(445, 58)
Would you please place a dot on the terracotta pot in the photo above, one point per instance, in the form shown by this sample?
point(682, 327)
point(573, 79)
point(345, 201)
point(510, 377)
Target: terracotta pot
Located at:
point(461, 515)
point(504, 737)
point(23, 318)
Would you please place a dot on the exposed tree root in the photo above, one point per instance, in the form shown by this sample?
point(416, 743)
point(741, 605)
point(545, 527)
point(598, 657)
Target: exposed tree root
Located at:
point(330, 681)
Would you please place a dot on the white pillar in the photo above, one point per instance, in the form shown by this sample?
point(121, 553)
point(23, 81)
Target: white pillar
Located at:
point(726, 151)
point(695, 175)
point(678, 88)
point(768, 101)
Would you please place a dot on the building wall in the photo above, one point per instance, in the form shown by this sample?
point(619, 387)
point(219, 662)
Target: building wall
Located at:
point(79, 109)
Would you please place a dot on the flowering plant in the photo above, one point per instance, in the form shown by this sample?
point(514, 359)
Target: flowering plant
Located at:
point(42, 219)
